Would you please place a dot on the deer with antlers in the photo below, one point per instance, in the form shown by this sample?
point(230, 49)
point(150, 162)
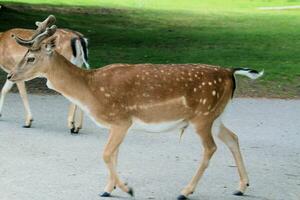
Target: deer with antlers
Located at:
point(120, 96)
point(71, 44)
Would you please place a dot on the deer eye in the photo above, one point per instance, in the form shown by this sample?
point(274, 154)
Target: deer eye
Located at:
point(30, 59)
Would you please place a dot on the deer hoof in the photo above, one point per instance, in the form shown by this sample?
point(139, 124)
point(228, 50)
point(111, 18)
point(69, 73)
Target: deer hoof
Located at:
point(105, 194)
point(29, 124)
point(74, 130)
point(238, 193)
point(181, 197)
point(130, 191)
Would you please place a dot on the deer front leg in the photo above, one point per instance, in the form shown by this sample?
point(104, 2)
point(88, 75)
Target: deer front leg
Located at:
point(6, 88)
point(23, 94)
point(110, 154)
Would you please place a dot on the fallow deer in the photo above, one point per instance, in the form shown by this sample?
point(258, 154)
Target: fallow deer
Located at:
point(72, 45)
point(119, 96)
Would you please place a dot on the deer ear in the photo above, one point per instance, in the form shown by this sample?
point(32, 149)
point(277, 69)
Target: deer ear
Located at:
point(50, 44)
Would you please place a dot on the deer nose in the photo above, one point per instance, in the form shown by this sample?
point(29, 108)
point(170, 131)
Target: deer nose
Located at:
point(9, 76)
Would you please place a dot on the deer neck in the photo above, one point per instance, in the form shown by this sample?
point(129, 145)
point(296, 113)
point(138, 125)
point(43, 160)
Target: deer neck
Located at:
point(67, 79)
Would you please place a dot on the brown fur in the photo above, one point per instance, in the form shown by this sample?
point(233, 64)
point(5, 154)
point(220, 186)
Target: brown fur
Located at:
point(127, 91)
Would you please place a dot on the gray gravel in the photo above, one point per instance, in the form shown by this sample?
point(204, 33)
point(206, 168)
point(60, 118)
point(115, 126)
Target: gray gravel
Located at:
point(47, 163)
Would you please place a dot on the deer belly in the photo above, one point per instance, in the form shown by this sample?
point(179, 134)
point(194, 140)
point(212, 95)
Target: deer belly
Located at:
point(162, 116)
point(140, 125)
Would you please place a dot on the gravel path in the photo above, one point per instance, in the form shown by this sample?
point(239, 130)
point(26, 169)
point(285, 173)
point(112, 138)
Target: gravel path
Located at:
point(47, 163)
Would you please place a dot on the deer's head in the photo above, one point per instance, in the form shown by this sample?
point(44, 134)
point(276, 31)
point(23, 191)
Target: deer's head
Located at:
point(37, 58)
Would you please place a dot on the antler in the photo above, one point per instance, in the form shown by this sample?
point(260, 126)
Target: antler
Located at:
point(35, 43)
point(48, 33)
point(41, 27)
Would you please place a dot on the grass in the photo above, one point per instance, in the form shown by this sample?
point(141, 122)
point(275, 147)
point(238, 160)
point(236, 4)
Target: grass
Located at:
point(191, 31)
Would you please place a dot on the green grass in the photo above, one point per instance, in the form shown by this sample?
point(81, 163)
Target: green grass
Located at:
point(187, 5)
point(189, 31)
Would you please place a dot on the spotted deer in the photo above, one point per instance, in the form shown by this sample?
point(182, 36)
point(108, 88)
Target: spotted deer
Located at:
point(123, 96)
point(71, 44)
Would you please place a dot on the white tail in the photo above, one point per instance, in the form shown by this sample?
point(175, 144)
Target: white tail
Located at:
point(80, 51)
point(250, 73)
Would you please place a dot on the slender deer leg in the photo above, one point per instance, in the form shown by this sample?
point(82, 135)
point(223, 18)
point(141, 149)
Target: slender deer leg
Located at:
point(78, 119)
point(115, 162)
point(117, 134)
point(204, 131)
point(23, 94)
point(7, 86)
point(231, 141)
point(118, 182)
point(71, 116)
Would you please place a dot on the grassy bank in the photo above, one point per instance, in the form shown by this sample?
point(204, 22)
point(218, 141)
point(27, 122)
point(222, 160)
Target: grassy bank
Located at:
point(187, 32)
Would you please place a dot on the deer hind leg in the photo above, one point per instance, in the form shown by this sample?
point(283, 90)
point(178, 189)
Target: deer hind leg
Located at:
point(204, 131)
point(23, 94)
point(231, 141)
point(110, 154)
point(6, 88)
point(71, 117)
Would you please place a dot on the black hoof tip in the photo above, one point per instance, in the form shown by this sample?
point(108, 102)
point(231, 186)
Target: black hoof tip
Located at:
point(115, 187)
point(238, 193)
point(181, 197)
point(74, 131)
point(105, 194)
point(29, 125)
point(248, 184)
point(130, 192)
